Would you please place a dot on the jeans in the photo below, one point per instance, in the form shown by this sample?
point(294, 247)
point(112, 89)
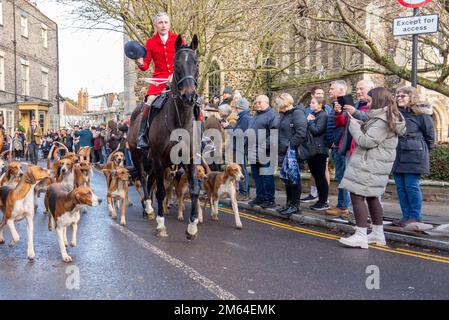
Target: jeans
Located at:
point(340, 167)
point(128, 160)
point(244, 188)
point(32, 151)
point(264, 183)
point(409, 193)
point(104, 156)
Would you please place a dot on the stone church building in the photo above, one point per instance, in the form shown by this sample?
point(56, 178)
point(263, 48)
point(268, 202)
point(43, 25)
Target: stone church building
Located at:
point(317, 59)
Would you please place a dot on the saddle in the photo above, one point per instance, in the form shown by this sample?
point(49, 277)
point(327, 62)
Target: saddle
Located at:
point(156, 106)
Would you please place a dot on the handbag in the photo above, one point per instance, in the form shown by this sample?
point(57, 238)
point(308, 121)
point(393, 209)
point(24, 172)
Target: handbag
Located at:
point(290, 170)
point(308, 149)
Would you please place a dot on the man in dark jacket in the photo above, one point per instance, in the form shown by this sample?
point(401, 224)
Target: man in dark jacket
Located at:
point(86, 137)
point(337, 89)
point(243, 120)
point(358, 112)
point(263, 174)
point(227, 96)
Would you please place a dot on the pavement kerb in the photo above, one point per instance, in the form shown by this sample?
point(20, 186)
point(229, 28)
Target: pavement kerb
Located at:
point(313, 221)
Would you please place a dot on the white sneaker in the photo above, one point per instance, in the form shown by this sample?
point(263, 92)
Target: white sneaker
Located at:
point(358, 239)
point(377, 236)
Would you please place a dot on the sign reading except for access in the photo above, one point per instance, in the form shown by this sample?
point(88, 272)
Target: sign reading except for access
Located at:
point(413, 3)
point(415, 25)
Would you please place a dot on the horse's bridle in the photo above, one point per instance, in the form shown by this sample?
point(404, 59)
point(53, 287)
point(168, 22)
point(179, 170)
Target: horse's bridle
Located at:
point(194, 78)
point(175, 94)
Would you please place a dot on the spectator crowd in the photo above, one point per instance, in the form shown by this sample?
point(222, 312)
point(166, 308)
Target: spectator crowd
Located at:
point(377, 135)
point(33, 144)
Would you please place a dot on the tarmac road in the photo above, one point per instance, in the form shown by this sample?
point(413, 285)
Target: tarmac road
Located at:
point(268, 259)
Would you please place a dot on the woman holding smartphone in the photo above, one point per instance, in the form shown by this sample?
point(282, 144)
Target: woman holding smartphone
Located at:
point(367, 173)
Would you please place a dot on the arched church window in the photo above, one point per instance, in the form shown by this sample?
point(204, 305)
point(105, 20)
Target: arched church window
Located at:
point(214, 81)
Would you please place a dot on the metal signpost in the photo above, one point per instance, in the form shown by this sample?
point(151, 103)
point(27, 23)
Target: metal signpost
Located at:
point(414, 25)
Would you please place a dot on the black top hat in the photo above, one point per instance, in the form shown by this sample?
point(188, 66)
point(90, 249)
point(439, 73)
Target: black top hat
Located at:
point(135, 50)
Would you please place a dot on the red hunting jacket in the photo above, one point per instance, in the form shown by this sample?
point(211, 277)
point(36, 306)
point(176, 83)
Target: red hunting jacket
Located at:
point(163, 57)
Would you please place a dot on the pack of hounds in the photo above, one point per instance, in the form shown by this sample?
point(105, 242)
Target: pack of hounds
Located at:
point(67, 188)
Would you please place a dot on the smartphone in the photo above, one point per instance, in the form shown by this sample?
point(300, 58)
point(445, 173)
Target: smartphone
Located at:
point(334, 103)
point(346, 100)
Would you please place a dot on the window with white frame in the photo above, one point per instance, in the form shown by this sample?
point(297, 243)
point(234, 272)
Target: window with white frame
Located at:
point(2, 71)
point(1, 12)
point(44, 35)
point(8, 120)
point(24, 24)
point(42, 119)
point(44, 83)
point(53, 121)
point(25, 76)
point(8, 116)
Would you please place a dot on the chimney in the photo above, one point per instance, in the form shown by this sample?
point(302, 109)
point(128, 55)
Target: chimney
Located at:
point(83, 98)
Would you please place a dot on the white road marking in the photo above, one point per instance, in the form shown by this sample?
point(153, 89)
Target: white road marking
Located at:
point(189, 271)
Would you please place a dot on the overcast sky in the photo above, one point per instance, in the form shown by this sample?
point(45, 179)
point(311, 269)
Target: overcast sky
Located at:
point(88, 59)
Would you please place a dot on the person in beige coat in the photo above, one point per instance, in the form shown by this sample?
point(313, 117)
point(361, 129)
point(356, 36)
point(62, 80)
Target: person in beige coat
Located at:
point(370, 165)
point(33, 140)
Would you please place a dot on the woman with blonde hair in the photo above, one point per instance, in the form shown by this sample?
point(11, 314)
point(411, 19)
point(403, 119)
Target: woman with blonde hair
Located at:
point(412, 159)
point(292, 132)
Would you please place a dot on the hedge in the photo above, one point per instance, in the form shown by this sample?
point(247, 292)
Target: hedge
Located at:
point(439, 163)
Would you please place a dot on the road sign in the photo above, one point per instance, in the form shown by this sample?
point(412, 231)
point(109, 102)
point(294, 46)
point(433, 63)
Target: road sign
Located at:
point(413, 3)
point(427, 23)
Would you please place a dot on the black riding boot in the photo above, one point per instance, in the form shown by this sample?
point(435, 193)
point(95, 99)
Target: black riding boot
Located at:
point(142, 137)
point(288, 191)
point(294, 205)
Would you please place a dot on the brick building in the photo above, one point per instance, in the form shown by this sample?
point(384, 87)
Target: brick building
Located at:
point(28, 66)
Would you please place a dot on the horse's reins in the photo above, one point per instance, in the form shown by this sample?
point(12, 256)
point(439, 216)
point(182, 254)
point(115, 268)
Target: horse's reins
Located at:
point(175, 95)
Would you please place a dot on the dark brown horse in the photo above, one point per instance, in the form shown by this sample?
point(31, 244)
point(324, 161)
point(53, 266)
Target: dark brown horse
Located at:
point(177, 113)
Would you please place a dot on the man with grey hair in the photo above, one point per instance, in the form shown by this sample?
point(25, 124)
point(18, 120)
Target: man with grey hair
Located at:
point(337, 89)
point(342, 116)
point(160, 50)
point(264, 120)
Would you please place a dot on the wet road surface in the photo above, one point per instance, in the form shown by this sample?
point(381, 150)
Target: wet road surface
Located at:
point(268, 259)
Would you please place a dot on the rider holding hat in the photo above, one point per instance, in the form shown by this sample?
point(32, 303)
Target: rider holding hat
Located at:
point(161, 50)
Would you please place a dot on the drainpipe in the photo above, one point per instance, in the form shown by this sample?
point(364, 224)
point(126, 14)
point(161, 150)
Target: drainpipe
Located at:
point(57, 74)
point(15, 52)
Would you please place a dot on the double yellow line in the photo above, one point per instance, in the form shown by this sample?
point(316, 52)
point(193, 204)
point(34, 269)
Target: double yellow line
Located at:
point(405, 252)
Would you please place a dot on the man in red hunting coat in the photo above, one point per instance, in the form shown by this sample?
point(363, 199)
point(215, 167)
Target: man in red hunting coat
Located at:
point(160, 50)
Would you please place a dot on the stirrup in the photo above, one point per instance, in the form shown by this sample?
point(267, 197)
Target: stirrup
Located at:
point(142, 143)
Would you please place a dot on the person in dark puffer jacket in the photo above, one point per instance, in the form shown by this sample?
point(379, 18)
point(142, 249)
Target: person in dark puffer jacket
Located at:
point(318, 92)
point(264, 120)
point(292, 133)
point(412, 159)
point(317, 125)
